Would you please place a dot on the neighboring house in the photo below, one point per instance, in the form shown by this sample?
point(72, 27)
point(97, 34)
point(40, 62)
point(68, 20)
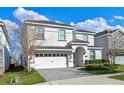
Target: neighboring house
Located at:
point(4, 48)
point(59, 45)
point(109, 39)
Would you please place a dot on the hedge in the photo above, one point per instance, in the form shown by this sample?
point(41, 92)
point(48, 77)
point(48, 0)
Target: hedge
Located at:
point(98, 64)
point(97, 61)
point(96, 67)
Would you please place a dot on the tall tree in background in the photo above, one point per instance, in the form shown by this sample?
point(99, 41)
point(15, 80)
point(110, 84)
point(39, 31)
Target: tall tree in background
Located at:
point(14, 37)
point(15, 32)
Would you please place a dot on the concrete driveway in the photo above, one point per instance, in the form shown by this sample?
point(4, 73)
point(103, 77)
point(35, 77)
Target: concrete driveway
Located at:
point(76, 76)
point(90, 80)
point(87, 80)
point(63, 73)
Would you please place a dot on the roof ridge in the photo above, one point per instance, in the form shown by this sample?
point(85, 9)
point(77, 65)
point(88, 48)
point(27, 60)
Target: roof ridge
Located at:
point(48, 22)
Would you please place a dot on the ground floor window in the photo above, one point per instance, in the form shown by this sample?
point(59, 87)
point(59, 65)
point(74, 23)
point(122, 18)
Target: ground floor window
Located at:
point(92, 54)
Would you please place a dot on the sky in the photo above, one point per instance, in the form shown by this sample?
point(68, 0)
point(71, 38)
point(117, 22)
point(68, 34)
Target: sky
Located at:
point(94, 19)
point(70, 14)
point(85, 18)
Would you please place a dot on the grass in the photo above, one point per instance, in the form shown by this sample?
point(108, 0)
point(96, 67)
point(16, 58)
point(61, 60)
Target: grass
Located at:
point(119, 77)
point(113, 69)
point(32, 77)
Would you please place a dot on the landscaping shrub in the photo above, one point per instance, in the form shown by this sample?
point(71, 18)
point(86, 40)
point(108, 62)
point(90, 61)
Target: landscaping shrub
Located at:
point(97, 61)
point(96, 67)
point(98, 64)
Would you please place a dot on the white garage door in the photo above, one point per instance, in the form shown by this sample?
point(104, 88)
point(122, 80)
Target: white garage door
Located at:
point(119, 60)
point(54, 61)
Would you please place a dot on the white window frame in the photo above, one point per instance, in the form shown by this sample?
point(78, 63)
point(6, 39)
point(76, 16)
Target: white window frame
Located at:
point(85, 37)
point(94, 54)
point(59, 35)
point(40, 35)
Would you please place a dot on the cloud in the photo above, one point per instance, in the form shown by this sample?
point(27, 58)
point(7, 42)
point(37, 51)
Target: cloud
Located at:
point(59, 22)
point(22, 14)
point(119, 17)
point(118, 27)
point(72, 24)
point(95, 25)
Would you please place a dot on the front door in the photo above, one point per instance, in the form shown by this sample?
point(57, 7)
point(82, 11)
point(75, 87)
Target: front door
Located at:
point(78, 56)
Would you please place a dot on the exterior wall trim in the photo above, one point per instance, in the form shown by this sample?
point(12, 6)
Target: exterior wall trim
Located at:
point(89, 33)
point(49, 25)
point(53, 49)
point(98, 48)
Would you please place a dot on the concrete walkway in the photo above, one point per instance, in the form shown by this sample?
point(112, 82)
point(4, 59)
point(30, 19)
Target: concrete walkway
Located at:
point(89, 80)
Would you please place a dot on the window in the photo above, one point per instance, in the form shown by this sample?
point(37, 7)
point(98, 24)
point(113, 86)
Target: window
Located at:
point(54, 55)
point(57, 55)
point(39, 32)
point(41, 55)
point(65, 55)
point(49, 55)
point(62, 54)
point(92, 54)
point(62, 35)
point(85, 37)
point(45, 55)
point(36, 55)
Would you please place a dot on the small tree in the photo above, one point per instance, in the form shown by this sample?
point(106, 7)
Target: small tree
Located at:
point(115, 45)
point(29, 43)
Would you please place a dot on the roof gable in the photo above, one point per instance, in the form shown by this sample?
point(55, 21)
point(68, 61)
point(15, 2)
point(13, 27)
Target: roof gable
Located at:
point(108, 31)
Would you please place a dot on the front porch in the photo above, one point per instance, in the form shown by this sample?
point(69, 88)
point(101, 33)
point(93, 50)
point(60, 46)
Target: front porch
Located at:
point(79, 56)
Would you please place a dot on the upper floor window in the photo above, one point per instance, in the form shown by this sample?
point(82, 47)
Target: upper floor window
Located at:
point(62, 35)
point(85, 37)
point(39, 32)
point(92, 54)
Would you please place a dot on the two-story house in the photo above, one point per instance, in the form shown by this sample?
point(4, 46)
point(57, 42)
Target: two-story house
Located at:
point(4, 48)
point(111, 40)
point(57, 45)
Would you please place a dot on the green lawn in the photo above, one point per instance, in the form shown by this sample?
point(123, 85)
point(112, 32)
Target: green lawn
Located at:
point(119, 77)
point(32, 77)
point(113, 69)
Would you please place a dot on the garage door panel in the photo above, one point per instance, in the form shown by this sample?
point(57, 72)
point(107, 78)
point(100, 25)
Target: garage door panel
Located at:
point(119, 60)
point(50, 62)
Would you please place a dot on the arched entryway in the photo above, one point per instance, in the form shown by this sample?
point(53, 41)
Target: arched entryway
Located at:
point(78, 56)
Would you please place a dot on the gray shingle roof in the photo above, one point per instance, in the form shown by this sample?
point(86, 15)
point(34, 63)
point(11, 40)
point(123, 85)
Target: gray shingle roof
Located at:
point(84, 31)
point(106, 32)
point(79, 41)
point(48, 22)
